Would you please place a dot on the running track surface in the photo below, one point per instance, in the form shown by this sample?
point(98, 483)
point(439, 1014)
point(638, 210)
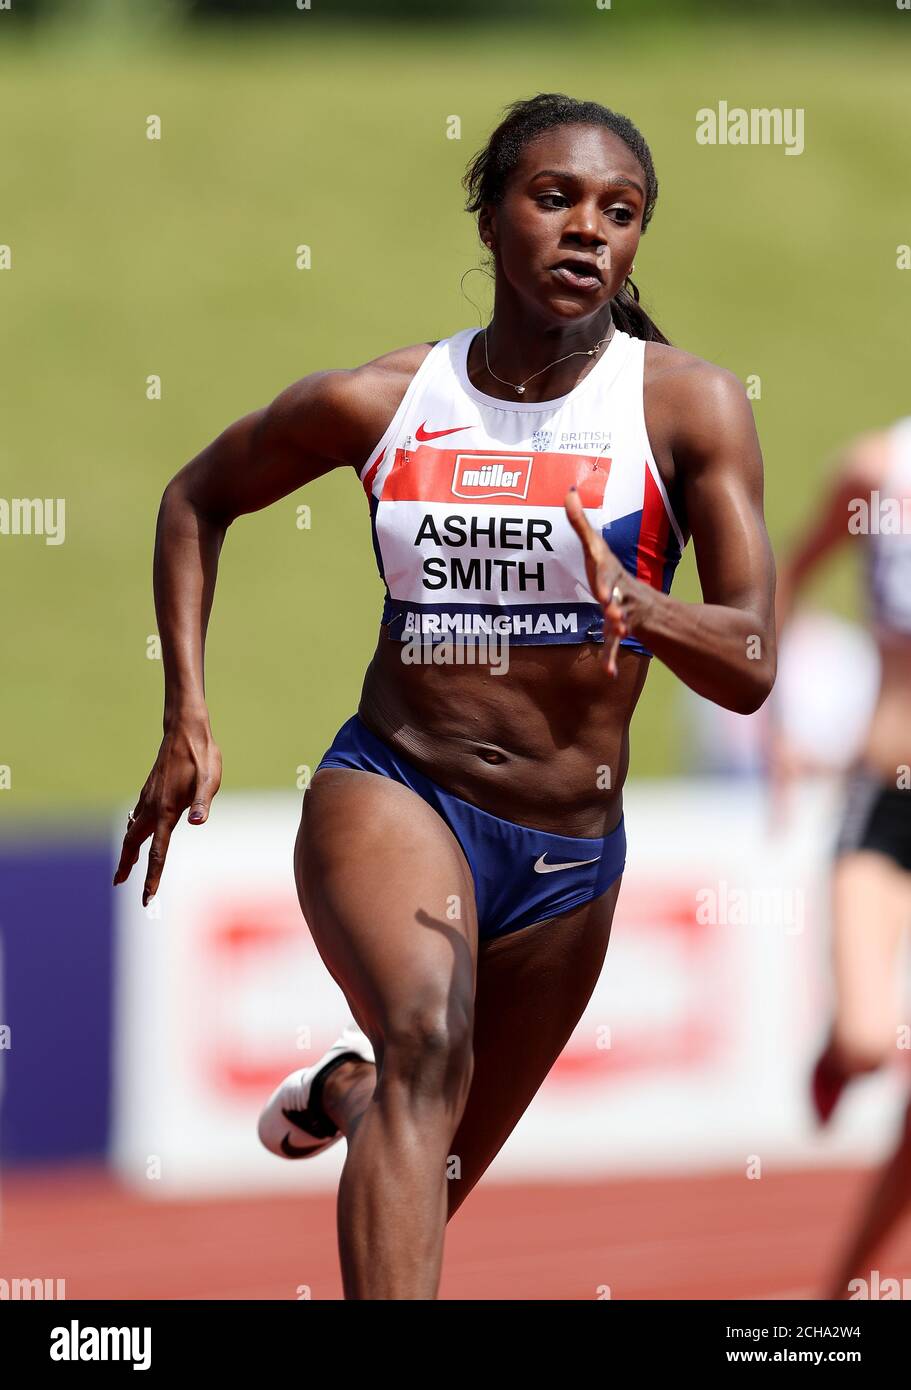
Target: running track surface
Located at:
point(709, 1236)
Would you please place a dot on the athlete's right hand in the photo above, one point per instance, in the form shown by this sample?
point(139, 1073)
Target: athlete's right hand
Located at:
point(187, 772)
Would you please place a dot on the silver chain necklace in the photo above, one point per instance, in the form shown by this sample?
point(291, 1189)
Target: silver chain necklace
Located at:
point(581, 352)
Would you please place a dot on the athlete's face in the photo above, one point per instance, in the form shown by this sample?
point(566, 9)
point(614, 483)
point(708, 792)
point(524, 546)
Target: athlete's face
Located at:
point(566, 231)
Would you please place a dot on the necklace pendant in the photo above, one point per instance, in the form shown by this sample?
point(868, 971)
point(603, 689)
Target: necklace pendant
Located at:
point(520, 390)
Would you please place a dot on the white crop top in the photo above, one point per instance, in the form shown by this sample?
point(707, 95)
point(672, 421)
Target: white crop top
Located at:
point(466, 495)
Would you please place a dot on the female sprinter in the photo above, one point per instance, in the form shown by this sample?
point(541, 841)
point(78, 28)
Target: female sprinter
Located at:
point(462, 841)
point(868, 497)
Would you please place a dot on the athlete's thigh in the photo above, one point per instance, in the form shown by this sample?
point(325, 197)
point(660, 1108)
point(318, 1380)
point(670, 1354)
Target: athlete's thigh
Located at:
point(871, 900)
point(532, 989)
point(389, 900)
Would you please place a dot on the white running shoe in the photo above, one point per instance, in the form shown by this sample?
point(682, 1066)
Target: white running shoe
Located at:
point(293, 1110)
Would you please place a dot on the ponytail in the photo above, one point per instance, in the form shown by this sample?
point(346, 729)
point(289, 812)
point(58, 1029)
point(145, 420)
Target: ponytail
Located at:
point(631, 318)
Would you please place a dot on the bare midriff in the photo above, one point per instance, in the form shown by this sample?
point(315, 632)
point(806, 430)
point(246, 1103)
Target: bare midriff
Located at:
point(546, 744)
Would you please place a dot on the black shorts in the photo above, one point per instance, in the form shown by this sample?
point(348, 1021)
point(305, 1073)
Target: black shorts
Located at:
point(876, 816)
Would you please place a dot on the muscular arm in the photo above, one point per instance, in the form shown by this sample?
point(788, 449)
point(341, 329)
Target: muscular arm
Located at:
point(723, 648)
point(307, 431)
point(260, 458)
point(324, 421)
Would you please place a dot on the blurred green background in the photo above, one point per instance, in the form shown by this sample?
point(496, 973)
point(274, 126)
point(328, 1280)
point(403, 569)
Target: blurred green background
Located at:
point(177, 257)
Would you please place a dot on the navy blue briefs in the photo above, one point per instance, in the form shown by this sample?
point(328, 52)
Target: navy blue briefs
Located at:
point(521, 876)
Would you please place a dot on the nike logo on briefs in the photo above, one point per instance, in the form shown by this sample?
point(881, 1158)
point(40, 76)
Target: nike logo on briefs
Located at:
point(423, 435)
point(542, 868)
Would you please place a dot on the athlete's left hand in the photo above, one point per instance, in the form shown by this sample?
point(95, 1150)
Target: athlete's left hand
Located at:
point(604, 571)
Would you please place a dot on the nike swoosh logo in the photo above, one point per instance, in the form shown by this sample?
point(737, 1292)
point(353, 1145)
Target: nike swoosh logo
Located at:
point(542, 868)
point(290, 1151)
point(423, 435)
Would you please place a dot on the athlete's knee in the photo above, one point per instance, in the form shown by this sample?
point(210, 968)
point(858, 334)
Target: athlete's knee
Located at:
point(428, 1048)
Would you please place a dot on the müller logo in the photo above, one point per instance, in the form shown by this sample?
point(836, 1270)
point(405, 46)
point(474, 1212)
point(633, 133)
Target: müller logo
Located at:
point(491, 475)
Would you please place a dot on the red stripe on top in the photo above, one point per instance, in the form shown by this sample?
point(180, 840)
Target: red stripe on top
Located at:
point(653, 532)
point(371, 474)
point(426, 474)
